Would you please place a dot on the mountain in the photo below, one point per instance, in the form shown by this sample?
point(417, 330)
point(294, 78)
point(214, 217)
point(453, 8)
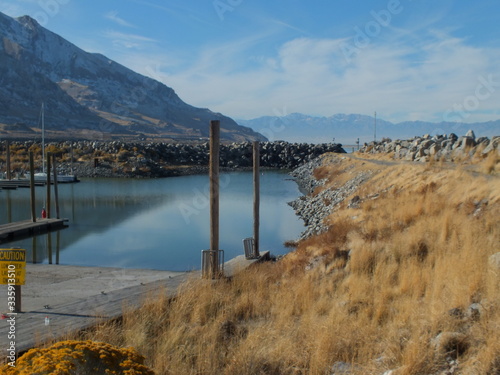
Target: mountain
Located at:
point(89, 96)
point(346, 129)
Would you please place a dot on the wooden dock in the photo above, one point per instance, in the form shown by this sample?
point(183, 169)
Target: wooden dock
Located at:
point(14, 184)
point(27, 228)
point(84, 313)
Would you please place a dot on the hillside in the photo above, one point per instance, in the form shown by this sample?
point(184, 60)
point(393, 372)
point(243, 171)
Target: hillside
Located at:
point(88, 96)
point(402, 279)
point(347, 128)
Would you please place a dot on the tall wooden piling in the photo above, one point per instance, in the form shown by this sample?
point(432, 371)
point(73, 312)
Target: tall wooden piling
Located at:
point(58, 245)
point(7, 145)
point(32, 187)
point(56, 191)
point(33, 247)
point(49, 247)
point(256, 196)
point(47, 201)
point(214, 196)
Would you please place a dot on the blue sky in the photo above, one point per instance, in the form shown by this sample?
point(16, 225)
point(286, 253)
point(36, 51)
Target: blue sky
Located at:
point(406, 59)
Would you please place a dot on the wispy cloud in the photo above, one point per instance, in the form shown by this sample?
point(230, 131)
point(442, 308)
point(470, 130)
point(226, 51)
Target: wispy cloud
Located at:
point(130, 41)
point(113, 16)
point(401, 80)
point(176, 9)
point(416, 67)
point(288, 26)
point(13, 9)
point(155, 6)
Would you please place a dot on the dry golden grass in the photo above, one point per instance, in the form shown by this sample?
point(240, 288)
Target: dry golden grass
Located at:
point(491, 165)
point(374, 291)
point(337, 170)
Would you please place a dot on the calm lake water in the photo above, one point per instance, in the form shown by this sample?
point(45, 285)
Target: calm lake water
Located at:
point(155, 224)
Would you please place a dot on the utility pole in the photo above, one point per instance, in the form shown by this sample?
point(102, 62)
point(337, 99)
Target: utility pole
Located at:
point(375, 128)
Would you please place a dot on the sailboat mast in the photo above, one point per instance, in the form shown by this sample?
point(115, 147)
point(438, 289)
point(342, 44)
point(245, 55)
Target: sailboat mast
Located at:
point(43, 139)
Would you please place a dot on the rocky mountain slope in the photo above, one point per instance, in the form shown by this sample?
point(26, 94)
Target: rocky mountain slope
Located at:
point(347, 128)
point(88, 95)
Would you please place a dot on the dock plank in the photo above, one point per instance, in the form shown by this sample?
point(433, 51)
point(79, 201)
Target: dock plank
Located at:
point(14, 184)
point(21, 229)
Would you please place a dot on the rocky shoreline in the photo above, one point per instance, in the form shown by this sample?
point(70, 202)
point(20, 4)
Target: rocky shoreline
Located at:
point(439, 147)
point(152, 160)
point(314, 208)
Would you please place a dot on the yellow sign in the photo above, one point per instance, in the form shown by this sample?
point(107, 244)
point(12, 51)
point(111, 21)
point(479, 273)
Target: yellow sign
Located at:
point(13, 255)
point(12, 266)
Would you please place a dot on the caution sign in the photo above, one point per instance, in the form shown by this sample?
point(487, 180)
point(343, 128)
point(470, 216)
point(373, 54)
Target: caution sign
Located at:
point(12, 266)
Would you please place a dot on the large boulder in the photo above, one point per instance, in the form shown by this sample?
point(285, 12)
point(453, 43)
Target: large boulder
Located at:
point(470, 134)
point(468, 142)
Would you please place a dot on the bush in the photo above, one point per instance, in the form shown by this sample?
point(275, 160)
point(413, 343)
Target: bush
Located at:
point(79, 357)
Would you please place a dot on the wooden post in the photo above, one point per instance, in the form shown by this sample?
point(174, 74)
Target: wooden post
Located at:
point(9, 207)
point(58, 245)
point(256, 196)
point(214, 196)
point(33, 245)
point(49, 247)
point(17, 299)
point(56, 192)
point(32, 187)
point(47, 209)
point(9, 176)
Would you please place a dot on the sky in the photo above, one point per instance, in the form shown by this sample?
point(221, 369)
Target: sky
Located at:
point(404, 59)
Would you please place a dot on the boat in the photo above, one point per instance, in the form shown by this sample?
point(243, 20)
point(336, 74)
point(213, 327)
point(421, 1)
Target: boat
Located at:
point(42, 176)
point(61, 178)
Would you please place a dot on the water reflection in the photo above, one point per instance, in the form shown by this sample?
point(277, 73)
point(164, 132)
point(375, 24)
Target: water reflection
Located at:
point(141, 223)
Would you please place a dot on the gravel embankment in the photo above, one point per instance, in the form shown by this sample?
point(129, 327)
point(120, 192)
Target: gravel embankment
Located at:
point(313, 209)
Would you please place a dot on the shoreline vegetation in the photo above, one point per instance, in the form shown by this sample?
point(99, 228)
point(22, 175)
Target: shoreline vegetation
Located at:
point(397, 273)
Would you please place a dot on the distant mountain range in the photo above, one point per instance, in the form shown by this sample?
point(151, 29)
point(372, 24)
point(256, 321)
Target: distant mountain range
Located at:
point(346, 129)
point(88, 96)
